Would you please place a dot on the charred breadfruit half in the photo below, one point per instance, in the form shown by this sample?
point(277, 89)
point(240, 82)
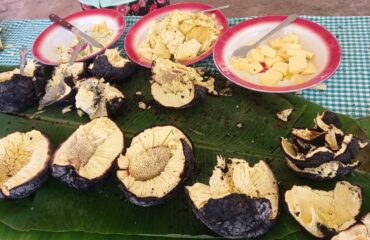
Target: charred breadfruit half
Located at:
point(157, 163)
point(359, 231)
point(112, 67)
point(99, 99)
point(177, 86)
point(60, 89)
point(325, 213)
point(88, 155)
point(323, 153)
point(19, 92)
point(24, 163)
point(240, 201)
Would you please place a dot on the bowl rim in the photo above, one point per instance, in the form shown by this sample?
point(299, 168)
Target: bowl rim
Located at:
point(333, 63)
point(129, 43)
point(37, 44)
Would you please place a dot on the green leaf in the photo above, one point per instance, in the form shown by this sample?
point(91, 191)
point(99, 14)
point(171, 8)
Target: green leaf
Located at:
point(212, 125)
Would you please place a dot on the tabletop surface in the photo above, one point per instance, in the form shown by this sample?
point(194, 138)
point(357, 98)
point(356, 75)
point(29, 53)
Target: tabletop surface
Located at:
point(348, 90)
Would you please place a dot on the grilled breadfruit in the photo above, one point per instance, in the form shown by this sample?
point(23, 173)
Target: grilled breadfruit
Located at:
point(24, 163)
point(157, 163)
point(325, 213)
point(88, 155)
point(99, 99)
point(19, 92)
point(240, 201)
point(178, 86)
point(112, 67)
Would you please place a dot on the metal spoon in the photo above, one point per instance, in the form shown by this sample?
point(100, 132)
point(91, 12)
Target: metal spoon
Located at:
point(242, 51)
point(199, 11)
point(23, 57)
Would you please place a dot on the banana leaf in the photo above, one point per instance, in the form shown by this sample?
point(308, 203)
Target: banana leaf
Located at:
point(212, 126)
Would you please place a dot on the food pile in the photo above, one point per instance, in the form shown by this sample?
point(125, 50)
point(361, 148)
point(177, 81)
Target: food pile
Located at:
point(324, 152)
point(282, 61)
point(180, 36)
point(100, 32)
point(88, 88)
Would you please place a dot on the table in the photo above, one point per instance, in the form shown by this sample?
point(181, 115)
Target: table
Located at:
point(348, 90)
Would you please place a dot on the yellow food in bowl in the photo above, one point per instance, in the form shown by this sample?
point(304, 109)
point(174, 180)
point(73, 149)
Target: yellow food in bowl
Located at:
point(282, 59)
point(181, 36)
point(100, 32)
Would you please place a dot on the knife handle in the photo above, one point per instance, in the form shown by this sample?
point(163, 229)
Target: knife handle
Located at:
point(60, 21)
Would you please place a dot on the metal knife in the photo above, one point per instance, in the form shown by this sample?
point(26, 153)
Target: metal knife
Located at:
point(60, 21)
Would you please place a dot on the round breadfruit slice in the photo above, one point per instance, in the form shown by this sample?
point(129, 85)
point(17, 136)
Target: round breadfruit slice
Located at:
point(19, 92)
point(88, 155)
point(24, 163)
point(326, 171)
point(309, 136)
point(157, 163)
point(99, 99)
point(240, 201)
point(112, 67)
point(325, 213)
point(313, 158)
point(178, 86)
point(360, 231)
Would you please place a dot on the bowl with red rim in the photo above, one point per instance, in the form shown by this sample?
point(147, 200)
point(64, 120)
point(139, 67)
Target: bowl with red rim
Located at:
point(46, 43)
point(313, 37)
point(139, 30)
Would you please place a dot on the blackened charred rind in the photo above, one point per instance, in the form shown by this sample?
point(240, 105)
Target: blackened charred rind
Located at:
point(154, 201)
point(309, 136)
point(328, 232)
point(28, 188)
point(200, 93)
point(39, 81)
point(102, 68)
point(17, 94)
point(317, 157)
point(313, 158)
point(328, 120)
point(236, 216)
point(115, 106)
point(85, 73)
point(331, 118)
point(302, 146)
point(327, 171)
point(68, 176)
point(348, 151)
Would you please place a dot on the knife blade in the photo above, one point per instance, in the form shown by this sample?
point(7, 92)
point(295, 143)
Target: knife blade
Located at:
point(60, 21)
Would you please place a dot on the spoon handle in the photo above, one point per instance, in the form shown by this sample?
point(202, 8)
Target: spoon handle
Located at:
point(22, 56)
point(287, 21)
